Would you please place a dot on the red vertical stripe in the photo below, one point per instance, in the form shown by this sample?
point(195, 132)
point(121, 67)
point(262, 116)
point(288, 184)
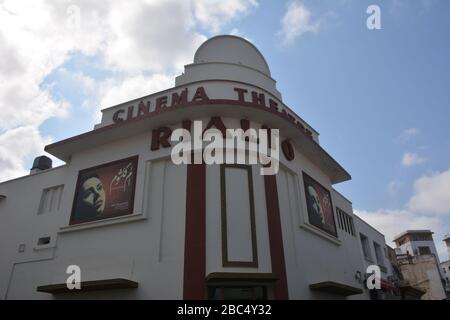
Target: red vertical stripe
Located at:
point(194, 286)
point(275, 237)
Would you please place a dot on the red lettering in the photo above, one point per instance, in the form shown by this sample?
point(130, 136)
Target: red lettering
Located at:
point(269, 137)
point(218, 124)
point(241, 94)
point(143, 109)
point(258, 99)
point(273, 105)
point(186, 124)
point(161, 102)
point(116, 118)
point(200, 95)
point(179, 99)
point(245, 125)
point(291, 117)
point(130, 112)
point(160, 137)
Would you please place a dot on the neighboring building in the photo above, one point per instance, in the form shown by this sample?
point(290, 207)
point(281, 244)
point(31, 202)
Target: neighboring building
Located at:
point(422, 272)
point(447, 242)
point(374, 251)
point(416, 242)
point(142, 227)
point(405, 291)
point(445, 266)
point(419, 263)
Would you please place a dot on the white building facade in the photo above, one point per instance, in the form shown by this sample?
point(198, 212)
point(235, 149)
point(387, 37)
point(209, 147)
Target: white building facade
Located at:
point(140, 226)
point(374, 252)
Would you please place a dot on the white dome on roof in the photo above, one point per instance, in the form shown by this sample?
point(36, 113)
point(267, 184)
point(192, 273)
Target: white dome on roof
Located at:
point(231, 49)
point(229, 58)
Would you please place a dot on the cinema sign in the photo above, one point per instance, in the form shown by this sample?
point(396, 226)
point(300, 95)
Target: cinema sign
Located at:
point(231, 94)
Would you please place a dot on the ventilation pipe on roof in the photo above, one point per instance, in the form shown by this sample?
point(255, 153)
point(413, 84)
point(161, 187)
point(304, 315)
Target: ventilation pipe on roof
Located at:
point(40, 164)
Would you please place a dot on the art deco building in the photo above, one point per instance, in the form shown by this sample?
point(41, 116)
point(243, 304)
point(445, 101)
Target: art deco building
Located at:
point(140, 226)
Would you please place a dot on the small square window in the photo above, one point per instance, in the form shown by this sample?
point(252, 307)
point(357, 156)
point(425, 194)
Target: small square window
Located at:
point(44, 241)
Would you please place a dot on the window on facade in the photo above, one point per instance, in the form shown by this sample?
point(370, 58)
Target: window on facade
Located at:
point(345, 222)
point(378, 254)
point(237, 293)
point(424, 250)
point(365, 247)
point(43, 241)
point(422, 237)
point(50, 199)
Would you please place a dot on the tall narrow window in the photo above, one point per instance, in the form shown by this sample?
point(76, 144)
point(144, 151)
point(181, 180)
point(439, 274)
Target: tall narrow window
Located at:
point(50, 199)
point(378, 253)
point(365, 247)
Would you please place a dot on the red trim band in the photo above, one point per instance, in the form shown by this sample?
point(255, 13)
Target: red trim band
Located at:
point(275, 237)
point(194, 285)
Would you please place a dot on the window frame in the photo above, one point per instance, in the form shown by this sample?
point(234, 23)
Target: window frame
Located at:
point(366, 247)
point(380, 259)
point(428, 249)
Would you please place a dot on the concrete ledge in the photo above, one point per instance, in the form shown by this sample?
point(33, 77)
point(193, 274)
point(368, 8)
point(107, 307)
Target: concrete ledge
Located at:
point(335, 288)
point(104, 222)
point(95, 285)
point(238, 276)
point(319, 232)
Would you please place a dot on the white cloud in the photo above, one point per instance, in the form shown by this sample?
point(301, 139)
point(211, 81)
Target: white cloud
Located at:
point(213, 15)
point(296, 22)
point(427, 208)
point(432, 194)
point(151, 36)
point(143, 40)
point(411, 159)
point(407, 134)
point(15, 146)
point(393, 222)
point(238, 33)
point(115, 91)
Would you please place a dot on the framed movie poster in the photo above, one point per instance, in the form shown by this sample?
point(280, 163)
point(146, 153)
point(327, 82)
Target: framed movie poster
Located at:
point(105, 191)
point(320, 206)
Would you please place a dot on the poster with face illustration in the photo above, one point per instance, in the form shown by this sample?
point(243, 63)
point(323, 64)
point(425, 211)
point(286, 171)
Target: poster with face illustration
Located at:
point(105, 191)
point(320, 207)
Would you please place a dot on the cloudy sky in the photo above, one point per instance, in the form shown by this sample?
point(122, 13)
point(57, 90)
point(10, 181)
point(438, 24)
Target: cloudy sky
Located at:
point(379, 98)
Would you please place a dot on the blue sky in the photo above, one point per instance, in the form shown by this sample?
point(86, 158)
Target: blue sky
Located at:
point(380, 99)
point(361, 89)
